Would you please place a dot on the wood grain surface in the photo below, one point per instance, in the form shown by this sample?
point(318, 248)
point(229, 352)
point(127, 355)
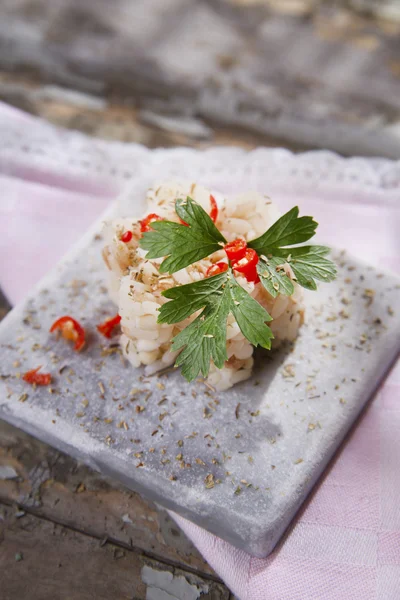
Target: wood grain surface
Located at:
point(49, 561)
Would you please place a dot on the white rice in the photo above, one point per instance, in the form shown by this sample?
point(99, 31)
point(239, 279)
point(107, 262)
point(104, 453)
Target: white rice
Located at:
point(136, 284)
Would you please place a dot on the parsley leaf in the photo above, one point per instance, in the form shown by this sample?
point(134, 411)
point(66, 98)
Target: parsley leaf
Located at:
point(190, 297)
point(288, 230)
point(205, 338)
point(309, 263)
point(183, 245)
point(273, 278)
point(250, 316)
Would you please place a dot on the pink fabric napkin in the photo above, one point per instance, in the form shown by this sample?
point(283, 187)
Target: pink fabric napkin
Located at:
point(345, 544)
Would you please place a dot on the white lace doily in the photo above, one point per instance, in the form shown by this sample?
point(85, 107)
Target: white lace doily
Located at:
point(42, 147)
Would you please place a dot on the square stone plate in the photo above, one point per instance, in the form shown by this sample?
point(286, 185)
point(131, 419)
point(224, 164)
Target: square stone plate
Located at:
point(238, 463)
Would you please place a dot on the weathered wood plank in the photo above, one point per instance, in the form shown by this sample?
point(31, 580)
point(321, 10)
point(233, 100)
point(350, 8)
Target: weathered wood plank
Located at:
point(311, 73)
point(55, 486)
point(43, 561)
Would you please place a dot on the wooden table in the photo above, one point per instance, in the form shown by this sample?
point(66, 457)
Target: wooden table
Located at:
point(65, 531)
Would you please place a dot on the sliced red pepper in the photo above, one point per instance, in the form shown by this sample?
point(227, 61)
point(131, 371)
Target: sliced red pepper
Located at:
point(214, 209)
point(247, 265)
point(219, 267)
point(70, 330)
point(35, 378)
point(126, 237)
point(145, 223)
point(236, 250)
point(213, 212)
point(107, 327)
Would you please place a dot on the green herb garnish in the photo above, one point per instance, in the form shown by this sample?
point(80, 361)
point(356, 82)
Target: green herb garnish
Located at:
point(307, 262)
point(218, 296)
point(183, 245)
point(205, 338)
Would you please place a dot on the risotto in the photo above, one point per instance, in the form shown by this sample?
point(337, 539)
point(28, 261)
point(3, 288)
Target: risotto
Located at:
point(136, 283)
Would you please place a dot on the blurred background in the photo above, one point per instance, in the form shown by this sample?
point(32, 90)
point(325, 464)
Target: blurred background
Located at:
point(298, 73)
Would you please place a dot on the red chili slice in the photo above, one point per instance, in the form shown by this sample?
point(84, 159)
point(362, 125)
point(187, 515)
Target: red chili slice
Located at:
point(236, 250)
point(219, 267)
point(145, 223)
point(247, 265)
point(70, 330)
point(35, 378)
point(107, 327)
point(126, 237)
point(214, 209)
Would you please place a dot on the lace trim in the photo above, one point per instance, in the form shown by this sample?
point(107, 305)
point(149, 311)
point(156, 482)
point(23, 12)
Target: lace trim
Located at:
point(69, 153)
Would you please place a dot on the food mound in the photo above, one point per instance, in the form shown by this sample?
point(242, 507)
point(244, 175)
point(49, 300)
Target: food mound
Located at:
point(199, 284)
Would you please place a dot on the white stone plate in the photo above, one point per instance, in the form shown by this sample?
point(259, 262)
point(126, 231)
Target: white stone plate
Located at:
point(265, 442)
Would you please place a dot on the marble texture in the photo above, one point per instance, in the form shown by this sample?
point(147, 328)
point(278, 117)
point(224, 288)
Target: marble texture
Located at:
point(239, 463)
